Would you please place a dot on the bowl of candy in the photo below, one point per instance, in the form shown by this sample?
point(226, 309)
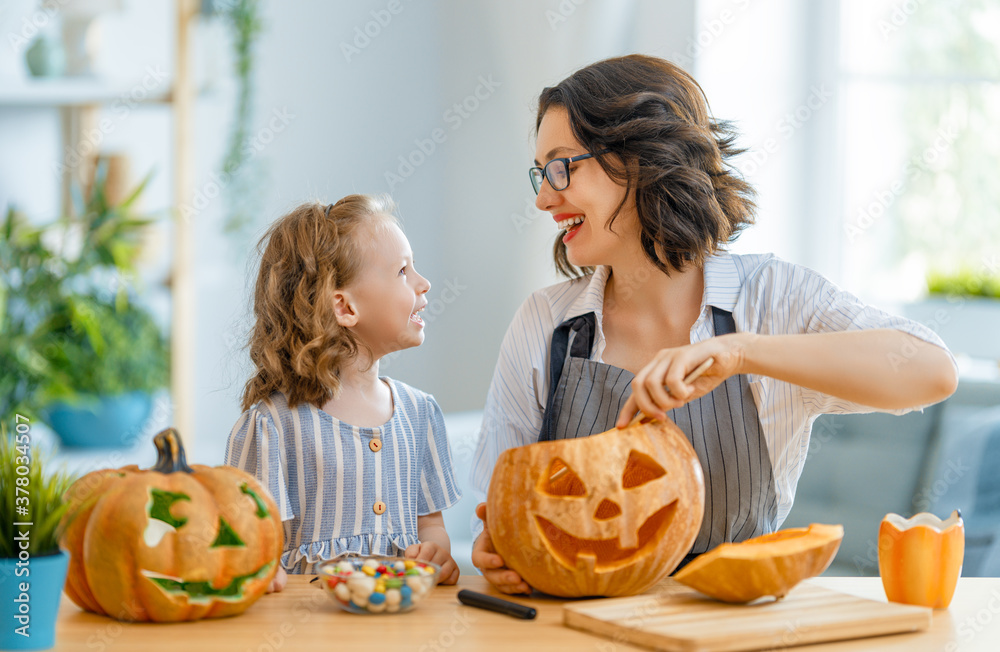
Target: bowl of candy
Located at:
point(378, 585)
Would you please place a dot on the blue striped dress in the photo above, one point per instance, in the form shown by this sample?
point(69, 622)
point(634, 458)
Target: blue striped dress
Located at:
point(327, 477)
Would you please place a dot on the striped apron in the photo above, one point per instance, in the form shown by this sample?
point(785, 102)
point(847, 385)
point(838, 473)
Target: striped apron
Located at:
point(585, 398)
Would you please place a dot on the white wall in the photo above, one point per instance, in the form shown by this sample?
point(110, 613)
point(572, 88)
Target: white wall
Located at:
point(467, 208)
point(757, 64)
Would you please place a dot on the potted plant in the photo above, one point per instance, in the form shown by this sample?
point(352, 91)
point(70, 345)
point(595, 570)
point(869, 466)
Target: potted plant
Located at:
point(84, 355)
point(32, 566)
point(105, 359)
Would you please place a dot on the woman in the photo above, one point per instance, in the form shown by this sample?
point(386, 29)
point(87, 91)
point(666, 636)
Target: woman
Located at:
point(635, 173)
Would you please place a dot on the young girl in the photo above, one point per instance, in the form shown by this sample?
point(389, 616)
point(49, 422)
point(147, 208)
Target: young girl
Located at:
point(357, 462)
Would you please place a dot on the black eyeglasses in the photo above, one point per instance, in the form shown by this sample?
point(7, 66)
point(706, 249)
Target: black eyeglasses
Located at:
point(557, 171)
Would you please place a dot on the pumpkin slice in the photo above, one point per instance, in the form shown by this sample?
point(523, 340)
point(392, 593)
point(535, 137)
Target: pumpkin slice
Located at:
point(766, 565)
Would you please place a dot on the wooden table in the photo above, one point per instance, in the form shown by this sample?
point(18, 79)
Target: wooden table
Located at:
point(302, 617)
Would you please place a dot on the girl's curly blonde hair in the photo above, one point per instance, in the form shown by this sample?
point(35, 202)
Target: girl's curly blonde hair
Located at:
point(296, 344)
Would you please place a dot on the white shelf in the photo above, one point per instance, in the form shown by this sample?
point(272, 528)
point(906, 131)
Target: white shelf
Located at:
point(80, 91)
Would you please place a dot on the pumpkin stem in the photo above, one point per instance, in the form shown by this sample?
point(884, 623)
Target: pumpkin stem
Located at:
point(170, 453)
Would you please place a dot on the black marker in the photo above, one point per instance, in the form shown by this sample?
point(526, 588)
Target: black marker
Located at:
point(490, 603)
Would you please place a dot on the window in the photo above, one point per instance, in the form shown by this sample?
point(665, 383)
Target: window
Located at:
point(920, 82)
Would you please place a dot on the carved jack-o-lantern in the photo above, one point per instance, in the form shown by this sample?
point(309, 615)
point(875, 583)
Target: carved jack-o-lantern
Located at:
point(610, 514)
point(174, 542)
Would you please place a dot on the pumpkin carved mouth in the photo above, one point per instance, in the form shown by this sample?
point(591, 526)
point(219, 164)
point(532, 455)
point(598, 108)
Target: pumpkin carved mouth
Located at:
point(202, 592)
point(604, 554)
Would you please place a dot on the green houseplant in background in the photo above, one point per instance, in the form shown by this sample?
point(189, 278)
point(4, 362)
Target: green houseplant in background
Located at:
point(965, 282)
point(241, 171)
point(82, 353)
point(32, 566)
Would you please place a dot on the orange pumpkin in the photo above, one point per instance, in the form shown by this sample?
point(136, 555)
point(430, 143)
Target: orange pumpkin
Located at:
point(920, 559)
point(766, 565)
point(171, 543)
point(610, 514)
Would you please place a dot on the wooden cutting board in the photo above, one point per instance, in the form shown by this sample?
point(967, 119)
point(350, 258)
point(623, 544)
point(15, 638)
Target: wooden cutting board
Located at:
point(676, 617)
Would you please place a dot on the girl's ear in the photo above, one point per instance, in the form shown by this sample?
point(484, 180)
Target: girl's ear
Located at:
point(344, 310)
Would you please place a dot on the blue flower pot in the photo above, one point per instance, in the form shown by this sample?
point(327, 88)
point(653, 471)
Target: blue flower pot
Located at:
point(29, 603)
point(103, 421)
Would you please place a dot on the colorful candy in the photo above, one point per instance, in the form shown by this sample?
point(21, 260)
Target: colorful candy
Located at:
point(378, 585)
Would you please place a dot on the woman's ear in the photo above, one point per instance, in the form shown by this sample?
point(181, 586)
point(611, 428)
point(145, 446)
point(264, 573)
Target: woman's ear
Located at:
point(343, 309)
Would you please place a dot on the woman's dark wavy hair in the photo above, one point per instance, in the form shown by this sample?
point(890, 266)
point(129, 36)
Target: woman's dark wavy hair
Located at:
point(674, 156)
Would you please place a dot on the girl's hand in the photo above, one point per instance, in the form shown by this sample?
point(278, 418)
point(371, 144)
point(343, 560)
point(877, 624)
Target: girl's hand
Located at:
point(670, 366)
point(279, 581)
point(432, 552)
point(486, 559)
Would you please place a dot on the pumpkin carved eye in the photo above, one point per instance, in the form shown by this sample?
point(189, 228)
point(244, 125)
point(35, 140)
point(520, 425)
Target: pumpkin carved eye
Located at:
point(162, 521)
point(640, 469)
point(561, 480)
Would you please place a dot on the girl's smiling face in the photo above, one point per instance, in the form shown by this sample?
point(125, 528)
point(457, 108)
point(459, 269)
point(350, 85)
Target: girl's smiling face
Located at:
point(592, 197)
point(381, 306)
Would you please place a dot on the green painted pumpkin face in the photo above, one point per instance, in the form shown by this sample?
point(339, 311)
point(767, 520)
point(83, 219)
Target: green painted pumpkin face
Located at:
point(171, 543)
point(162, 522)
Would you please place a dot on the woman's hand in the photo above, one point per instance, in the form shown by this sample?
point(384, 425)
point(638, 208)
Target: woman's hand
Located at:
point(279, 581)
point(668, 368)
point(432, 552)
point(486, 559)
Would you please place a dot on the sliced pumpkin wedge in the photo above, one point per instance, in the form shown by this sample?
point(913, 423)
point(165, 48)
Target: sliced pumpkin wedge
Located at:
point(766, 565)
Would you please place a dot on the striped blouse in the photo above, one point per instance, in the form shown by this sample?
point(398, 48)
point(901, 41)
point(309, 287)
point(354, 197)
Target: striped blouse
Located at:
point(341, 488)
point(765, 294)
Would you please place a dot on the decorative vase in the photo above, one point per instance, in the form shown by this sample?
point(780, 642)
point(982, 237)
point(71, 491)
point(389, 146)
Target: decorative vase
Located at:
point(29, 600)
point(82, 32)
point(45, 58)
point(101, 421)
point(920, 558)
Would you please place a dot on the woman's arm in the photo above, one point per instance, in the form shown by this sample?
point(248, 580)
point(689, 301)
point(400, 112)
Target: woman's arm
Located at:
point(885, 369)
point(434, 546)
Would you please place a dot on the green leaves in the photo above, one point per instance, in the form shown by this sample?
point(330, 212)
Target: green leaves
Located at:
point(94, 346)
point(245, 24)
point(70, 322)
point(111, 234)
point(29, 495)
point(965, 282)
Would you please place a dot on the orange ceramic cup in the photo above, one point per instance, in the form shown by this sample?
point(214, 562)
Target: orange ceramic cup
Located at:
point(920, 558)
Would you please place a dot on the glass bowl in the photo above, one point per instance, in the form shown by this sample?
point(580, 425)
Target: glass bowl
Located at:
point(377, 584)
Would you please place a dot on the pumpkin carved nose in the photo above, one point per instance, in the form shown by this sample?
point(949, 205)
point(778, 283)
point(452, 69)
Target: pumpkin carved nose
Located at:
point(607, 509)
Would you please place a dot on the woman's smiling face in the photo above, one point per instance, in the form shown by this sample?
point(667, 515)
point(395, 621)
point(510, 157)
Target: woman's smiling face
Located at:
point(591, 196)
